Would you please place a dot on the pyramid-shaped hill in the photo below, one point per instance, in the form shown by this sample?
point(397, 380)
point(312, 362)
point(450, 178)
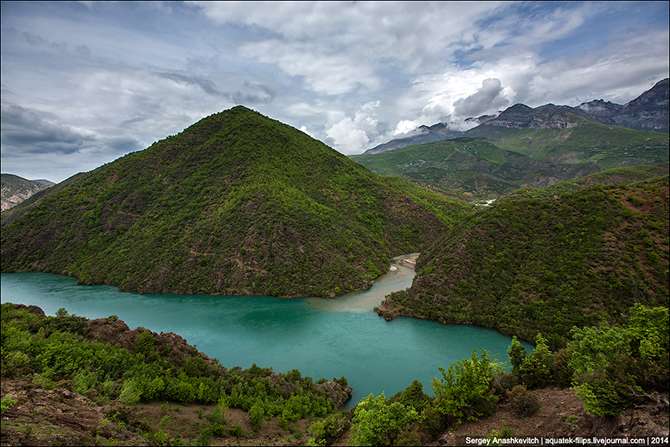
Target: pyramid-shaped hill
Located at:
point(235, 204)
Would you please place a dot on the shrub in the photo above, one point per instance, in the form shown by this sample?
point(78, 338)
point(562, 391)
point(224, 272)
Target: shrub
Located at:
point(413, 396)
point(144, 343)
point(562, 372)
point(523, 402)
point(329, 430)
point(6, 403)
point(236, 431)
point(432, 423)
point(536, 369)
point(502, 383)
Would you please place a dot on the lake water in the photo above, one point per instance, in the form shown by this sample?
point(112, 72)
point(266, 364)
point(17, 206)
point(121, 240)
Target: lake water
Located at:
point(319, 337)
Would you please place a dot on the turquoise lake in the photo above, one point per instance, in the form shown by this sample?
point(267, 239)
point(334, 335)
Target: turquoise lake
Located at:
point(319, 337)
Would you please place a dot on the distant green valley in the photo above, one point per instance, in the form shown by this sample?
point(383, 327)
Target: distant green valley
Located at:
point(492, 160)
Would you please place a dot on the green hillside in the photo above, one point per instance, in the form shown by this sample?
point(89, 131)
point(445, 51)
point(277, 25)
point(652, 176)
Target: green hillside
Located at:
point(544, 265)
point(584, 142)
point(235, 204)
point(471, 168)
point(527, 148)
point(614, 176)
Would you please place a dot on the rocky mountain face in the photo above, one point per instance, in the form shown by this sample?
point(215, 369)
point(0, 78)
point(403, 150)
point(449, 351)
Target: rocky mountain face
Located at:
point(16, 189)
point(520, 116)
point(429, 134)
point(649, 111)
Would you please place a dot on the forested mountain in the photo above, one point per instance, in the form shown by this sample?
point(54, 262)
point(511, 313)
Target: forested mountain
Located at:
point(16, 189)
point(235, 204)
point(543, 265)
point(471, 168)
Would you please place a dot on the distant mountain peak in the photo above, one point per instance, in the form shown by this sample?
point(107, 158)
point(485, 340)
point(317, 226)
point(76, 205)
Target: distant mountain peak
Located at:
point(428, 134)
point(16, 189)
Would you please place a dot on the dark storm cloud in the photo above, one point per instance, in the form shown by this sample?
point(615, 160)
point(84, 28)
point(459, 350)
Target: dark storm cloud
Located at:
point(33, 131)
point(249, 93)
point(206, 85)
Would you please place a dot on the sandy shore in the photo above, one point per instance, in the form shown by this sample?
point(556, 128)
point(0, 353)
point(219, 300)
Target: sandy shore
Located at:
point(408, 261)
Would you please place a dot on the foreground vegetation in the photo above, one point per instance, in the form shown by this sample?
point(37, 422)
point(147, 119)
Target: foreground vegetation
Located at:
point(237, 204)
point(140, 366)
point(611, 367)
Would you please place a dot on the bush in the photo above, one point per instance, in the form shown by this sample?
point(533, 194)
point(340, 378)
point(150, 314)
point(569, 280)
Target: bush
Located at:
point(523, 402)
point(329, 430)
point(562, 372)
point(432, 423)
point(236, 431)
point(6, 403)
point(144, 343)
point(503, 383)
point(413, 396)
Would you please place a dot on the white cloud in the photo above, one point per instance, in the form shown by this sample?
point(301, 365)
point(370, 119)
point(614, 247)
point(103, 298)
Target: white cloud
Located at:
point(353, 75)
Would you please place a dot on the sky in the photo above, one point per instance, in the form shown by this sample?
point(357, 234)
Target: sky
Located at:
point(84, 83)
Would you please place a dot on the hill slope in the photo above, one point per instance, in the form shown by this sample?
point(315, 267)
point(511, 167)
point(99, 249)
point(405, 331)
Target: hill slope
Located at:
point(235, 204)
point(16, 189)
point(544, 265)
point(476, 169)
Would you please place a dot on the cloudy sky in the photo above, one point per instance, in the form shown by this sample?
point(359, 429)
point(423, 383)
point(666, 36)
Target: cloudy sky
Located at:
point(84, 83)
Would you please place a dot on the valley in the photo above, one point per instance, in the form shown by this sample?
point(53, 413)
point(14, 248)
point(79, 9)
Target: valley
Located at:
point(561, 281)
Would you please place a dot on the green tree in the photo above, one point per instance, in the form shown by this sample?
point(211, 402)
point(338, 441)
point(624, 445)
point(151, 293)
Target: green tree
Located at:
point(598, 358)
point(517, 354)
point(536, 368)
point(256, 415)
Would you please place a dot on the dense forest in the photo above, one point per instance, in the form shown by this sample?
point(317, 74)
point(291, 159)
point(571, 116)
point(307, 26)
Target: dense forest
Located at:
point(546, 264)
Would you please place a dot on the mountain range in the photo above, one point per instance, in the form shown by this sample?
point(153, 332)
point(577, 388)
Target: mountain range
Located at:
point(649, 112)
